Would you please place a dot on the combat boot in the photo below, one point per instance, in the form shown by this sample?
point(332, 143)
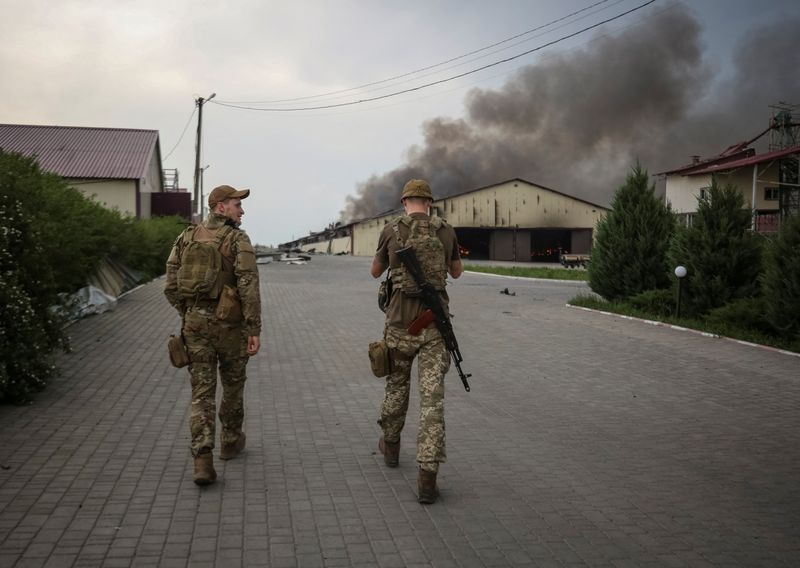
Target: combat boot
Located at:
point(204, 473)
point(390, 451)
point(230, 451)
point(426, 486)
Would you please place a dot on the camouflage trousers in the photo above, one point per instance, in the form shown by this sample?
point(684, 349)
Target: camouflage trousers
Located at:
point(433, 363)
point(211, 343)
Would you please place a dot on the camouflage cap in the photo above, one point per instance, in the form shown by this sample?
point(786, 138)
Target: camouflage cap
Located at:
point(417, 188)
point(223, 192)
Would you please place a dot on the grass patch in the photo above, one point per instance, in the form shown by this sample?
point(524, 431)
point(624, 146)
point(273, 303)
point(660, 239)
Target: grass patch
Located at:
point(531, 272)
point(724, 329)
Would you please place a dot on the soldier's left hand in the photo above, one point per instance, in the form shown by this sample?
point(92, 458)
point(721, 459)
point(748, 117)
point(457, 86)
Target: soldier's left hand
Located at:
point(253, 345)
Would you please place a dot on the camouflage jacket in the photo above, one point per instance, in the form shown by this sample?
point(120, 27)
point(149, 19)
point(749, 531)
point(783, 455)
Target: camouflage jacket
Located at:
point(236, 250)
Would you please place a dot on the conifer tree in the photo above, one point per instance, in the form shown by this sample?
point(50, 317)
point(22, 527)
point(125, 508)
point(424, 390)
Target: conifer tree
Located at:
point(782, 279)
point(630, 250)
point(721, 255)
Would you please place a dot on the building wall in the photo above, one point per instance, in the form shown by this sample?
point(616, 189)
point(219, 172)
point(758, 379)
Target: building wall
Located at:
point(340, 245)
point(366, 235)
point(682, 191)
point(518, 204)
point(767, 176)
point(114, 194)
point(152, 181)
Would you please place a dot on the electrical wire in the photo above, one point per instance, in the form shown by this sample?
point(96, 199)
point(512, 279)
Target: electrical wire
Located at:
point(427, 68)
point(182, 134)
point(461, 64)
point(610, 33)
point(439, 82)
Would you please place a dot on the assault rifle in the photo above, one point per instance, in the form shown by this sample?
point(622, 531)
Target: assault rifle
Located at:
point(430, 297)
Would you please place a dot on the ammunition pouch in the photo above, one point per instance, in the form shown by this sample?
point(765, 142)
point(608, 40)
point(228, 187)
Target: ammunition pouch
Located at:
point(229, 308)
point(379, 359)
point(178, 355)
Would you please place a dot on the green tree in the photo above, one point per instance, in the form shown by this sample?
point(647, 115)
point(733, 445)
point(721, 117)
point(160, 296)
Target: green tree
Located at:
point(29, 327)
point(630, 250)
point(52, 239)
point(782, 279)
point(721, 255)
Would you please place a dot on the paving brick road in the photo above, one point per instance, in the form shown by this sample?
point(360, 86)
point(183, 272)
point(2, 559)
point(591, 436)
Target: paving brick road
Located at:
point(587, 440)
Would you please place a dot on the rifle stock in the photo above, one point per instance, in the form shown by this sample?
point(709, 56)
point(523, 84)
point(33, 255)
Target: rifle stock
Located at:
point(430, 297)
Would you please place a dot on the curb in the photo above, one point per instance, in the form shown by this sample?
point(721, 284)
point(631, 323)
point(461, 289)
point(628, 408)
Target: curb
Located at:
point(681, 328)
point(525, 277)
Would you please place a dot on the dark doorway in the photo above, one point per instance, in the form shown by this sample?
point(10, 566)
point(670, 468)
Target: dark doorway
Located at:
point(547, 244)
point(474, 243)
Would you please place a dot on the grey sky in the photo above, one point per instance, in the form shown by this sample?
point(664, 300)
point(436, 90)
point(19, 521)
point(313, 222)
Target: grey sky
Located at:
point(140, 65)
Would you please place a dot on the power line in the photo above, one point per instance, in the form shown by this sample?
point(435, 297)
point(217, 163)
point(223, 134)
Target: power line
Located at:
point(427, 68)
point(461, 64)
point(182, 133)
point(439, 82)
point(605, 34)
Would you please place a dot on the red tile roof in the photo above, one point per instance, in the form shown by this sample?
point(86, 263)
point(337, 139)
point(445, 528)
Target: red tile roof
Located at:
point(80, 152)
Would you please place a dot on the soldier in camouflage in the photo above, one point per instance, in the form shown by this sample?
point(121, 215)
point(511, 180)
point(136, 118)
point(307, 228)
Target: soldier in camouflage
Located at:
point(436, 246)
point(220, 328)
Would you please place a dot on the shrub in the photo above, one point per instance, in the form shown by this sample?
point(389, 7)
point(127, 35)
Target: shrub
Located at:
point(29, 287)
point(721, 255)
point(629, 253)
point(51, 240)
point(744, 313)
point(782, 279)
point(657, 302)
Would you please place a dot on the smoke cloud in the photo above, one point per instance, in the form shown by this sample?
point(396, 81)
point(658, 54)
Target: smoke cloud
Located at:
point(578, 121)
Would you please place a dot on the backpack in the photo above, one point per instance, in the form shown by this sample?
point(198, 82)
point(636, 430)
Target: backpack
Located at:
point(201, 266)
point(429, 250)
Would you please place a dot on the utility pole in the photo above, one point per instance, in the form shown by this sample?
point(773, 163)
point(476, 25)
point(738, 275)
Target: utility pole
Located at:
point(198, 207)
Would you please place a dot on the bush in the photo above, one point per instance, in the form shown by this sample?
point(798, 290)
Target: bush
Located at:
point(657, 302)
point(745, 313)
point(721, 255)
point(629, 253)
point(29, 287)
point(144, 245)
point(52, 239)
point(782, 279)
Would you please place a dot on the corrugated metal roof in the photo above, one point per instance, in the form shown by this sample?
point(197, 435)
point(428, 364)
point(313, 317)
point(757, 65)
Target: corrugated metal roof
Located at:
point(723, 158)
point(749, 161)
point(81, 152)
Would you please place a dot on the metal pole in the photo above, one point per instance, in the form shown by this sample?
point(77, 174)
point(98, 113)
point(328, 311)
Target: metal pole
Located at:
point(200, 101)
point(680, 288)
point(197, 205)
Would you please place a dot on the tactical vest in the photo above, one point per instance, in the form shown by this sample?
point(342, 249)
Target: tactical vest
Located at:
point(204, 270)
point(429, 250)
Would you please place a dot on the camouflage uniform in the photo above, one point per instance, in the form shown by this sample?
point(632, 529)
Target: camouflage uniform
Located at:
point(212, 342)
point(428, 346)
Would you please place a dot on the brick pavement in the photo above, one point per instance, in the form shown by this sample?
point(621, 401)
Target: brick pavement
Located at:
point(586, 440)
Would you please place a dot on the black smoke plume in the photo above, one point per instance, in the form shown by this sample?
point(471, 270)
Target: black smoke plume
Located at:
point(577, 121)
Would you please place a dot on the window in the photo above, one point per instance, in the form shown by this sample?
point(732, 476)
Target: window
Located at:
point(771, 193)
point(704, 192)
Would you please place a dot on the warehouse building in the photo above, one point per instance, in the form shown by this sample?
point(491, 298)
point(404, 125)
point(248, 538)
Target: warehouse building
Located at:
point(512, 220)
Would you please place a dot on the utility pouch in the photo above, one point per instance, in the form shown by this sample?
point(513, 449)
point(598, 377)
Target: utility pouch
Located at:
point(229, 308)
point(178, 355)
point(379, 359)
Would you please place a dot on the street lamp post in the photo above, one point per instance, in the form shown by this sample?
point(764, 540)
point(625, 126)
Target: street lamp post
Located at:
point(199, 102)
point(680, 272)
